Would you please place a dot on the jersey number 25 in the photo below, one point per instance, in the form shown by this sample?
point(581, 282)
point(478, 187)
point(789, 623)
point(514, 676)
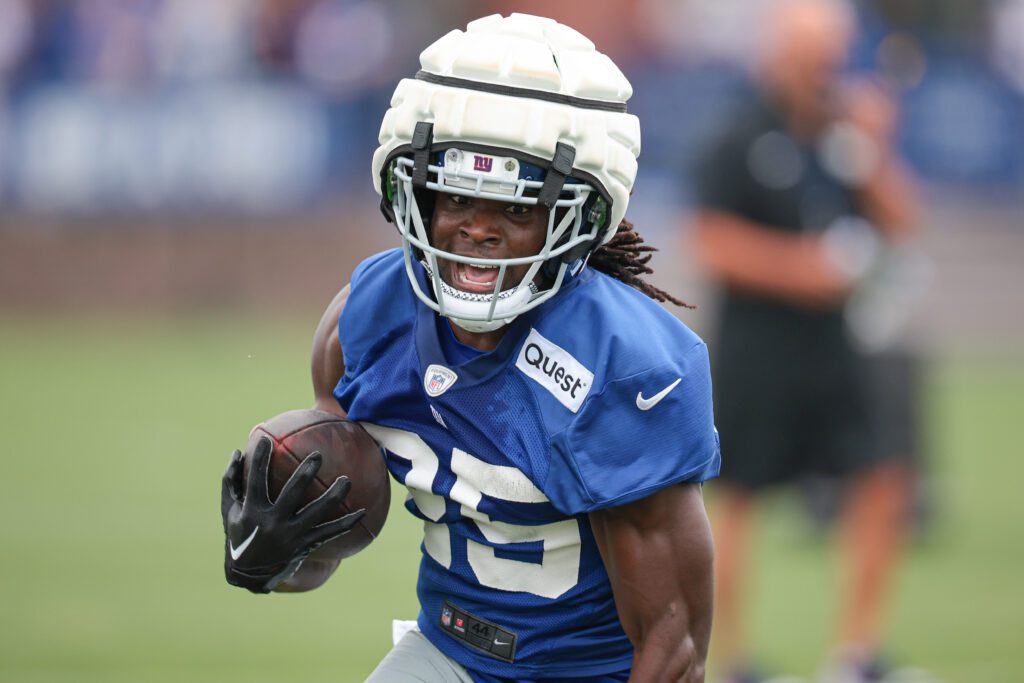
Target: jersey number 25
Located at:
point(559, 569)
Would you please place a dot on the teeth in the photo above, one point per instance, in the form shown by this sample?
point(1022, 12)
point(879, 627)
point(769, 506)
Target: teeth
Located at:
point(475, 275)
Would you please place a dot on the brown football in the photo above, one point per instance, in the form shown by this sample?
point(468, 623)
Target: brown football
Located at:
point(347, 450)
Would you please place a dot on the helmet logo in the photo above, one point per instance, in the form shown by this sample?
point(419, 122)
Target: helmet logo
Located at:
point(482, 163)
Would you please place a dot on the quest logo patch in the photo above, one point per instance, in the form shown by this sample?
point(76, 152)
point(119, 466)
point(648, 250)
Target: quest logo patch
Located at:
point(556, 370)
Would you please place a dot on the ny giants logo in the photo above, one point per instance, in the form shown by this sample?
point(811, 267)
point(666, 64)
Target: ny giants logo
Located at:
point(484, 164)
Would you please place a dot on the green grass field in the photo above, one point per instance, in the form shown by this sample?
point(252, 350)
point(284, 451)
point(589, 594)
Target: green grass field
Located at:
point(115, 435)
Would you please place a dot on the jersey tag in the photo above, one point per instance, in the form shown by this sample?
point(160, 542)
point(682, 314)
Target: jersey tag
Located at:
point(480, 634)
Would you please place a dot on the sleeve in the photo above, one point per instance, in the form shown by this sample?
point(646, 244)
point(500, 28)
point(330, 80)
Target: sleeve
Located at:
point(369, 311)
point(639, 434)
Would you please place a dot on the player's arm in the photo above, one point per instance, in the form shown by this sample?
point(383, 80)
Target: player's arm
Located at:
point(754, 258)
point(274, 538)
point(658, 553)
point(327, 365)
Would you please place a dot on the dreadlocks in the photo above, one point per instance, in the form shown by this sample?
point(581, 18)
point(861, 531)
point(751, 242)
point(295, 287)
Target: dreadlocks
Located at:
point(625, 258)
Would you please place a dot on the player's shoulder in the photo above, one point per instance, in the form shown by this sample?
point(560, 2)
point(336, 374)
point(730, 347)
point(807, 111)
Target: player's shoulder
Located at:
point(380, 282)
point(379, 268)
point(617, 328)
point(635, 395)
point(379, 302)
point(597, 343)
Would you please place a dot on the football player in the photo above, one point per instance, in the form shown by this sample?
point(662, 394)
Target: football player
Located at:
point(551, 421)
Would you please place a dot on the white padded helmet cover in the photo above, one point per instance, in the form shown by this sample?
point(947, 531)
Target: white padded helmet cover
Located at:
point(534, 53)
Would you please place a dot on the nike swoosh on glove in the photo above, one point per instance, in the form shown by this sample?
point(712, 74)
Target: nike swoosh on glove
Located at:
point(265, 541)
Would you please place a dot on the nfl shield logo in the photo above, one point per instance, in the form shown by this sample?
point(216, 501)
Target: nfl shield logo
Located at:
point(446, 617)
point(438, 379)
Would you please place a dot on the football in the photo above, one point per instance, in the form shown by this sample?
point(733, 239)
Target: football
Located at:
point(347, 450)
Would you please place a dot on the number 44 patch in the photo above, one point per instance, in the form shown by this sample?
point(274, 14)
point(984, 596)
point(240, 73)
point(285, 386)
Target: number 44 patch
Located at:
point(480, 634)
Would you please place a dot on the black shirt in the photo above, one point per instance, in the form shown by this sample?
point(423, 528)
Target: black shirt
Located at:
point(758, 171)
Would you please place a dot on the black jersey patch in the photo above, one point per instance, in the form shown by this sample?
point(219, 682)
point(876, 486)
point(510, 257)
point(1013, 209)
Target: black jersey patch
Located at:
point(480, 634)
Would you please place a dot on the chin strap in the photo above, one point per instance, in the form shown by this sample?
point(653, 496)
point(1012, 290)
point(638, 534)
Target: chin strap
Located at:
point(481, 325)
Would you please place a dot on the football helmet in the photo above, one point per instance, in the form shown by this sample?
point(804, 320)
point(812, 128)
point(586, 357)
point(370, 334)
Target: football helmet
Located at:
point(516, 109)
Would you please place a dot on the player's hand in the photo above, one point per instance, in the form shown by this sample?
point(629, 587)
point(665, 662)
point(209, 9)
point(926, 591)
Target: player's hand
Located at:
point(265, 542)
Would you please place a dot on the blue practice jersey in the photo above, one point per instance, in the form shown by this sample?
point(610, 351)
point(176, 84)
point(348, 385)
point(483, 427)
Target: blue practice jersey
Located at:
point(597, 398)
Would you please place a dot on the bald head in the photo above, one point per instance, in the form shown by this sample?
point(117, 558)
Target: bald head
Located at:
point(805, 45)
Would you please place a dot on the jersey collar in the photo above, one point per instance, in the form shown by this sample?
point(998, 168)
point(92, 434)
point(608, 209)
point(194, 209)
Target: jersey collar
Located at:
point(486, 365)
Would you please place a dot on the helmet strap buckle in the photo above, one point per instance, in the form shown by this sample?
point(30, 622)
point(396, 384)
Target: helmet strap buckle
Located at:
point(422, 140)
point(558, 171)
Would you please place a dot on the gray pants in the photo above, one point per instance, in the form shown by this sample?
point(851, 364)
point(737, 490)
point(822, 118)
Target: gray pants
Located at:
point(414, 659)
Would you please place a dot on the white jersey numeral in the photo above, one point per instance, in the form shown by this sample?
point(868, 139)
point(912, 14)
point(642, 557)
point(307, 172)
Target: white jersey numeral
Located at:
point(419, 480)
point(559, 568)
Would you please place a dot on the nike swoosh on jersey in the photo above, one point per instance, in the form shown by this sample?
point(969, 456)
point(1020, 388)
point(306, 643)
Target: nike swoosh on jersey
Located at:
point(648, 403)
point(237, 552)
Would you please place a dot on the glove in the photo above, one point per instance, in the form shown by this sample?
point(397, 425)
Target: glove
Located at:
point(266, 542)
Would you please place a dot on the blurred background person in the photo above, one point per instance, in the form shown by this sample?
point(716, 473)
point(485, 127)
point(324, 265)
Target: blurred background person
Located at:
point(795, 194)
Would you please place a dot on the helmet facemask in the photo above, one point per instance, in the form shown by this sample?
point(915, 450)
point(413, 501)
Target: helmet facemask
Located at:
point(571, 232)
point(518, 90)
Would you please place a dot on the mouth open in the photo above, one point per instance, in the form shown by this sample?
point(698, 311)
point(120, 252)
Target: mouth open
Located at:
point(474, 279)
